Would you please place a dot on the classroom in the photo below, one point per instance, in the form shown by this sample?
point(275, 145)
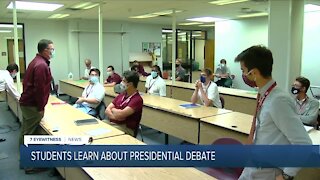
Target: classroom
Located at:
point(186, 73)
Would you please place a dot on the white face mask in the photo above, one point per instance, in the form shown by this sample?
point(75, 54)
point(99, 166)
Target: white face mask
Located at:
point(109, 73)
point(13, 75)
point(222, 65)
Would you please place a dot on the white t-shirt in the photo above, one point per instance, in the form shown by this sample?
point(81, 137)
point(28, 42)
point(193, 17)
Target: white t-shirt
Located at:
point(86, 71)
point(211, 90)
point(6, 83)
point(95, 91)
point(156, 86)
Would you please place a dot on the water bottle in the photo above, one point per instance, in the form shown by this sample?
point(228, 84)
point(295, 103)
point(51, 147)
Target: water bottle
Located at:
point(70, 76)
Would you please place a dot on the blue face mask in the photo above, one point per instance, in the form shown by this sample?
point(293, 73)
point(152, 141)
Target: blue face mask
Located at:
point(94, 79)
point(154, 74)
point(202, 79)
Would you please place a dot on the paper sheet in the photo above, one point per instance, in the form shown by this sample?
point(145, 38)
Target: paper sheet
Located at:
point(97, 132)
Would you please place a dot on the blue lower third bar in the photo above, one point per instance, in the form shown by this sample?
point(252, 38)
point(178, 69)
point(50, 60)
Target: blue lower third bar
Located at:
point(170, 156)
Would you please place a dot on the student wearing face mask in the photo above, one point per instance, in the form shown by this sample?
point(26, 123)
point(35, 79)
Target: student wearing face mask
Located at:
point(6, 81)
point(206, 90)
point(180, 71)
point(275, 120)
point(125, 110)
point(92, 95)
point(307, 107)
point(155, 85)
point(223, 74)
point(113, 78)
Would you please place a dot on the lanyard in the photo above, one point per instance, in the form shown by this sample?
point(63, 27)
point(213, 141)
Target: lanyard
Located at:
point(258, 108)
point(208, 88)
point(88, 93)
point(152, 84)
point(124, 101)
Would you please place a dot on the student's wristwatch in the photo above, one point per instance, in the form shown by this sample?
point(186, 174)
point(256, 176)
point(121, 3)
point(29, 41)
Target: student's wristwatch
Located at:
point(287, 177)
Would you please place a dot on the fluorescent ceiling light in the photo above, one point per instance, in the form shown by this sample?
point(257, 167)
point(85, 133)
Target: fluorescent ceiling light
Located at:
point(225, 2)
point(5, 31)
point(196, 35)
point(155, 14)
point(166, 30)
point(311, 8)
point(253, 15)
point(206, 19)
point(190, 23)
point(9, 26)
point(58, 16)
point(85, 5)
point(34, 6)
point(206, 25)
point(144, 16)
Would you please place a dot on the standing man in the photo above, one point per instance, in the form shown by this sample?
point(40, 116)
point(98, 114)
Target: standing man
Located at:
point(6, 80)
point(87, 62)
point(112, 77)
point(36, 89)
point(275, 121)
point(307, 107)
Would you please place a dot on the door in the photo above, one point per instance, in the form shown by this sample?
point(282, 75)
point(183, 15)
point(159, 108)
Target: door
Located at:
point(22, 61)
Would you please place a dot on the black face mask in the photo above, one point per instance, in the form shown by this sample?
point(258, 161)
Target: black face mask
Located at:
point(295, 90)
point(177, 65)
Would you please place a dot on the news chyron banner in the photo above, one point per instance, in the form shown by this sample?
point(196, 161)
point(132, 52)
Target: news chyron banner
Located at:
point(78, 151)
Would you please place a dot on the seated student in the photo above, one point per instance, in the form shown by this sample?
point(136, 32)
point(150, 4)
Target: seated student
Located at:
point(140, 68)
point(6, 80)
point(306, 107)
point(223, 74)
point(113, 78)
point(206, 90)
point(180, 71)
point(92, 95)
point(155, 85)
point(125, 110)
point(87, 62)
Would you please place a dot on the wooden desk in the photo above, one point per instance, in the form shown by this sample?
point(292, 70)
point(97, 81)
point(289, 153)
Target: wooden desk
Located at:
point(14, 106)
point(132, 173)
point(235, 99)
point(73, 88)
point(65, 123)
point(235, 125)
point(165, 114)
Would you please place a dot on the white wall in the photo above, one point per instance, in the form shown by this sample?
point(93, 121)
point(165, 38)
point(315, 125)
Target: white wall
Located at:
point(310, 67)
point(234, 36)
point(199, 52)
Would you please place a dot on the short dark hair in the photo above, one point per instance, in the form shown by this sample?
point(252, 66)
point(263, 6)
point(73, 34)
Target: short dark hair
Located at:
point(132, 76)
point(208, 71)
point(158, 69)
point(12, 67)
point(43, 44)
point(95, 70)
point(304, 82)
point(133, 68)
point(257, 57)
point(223, 60)
point(112, 68)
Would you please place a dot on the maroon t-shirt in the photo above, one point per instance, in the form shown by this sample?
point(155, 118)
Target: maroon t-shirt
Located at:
point(135, 102)
point(36, 83)
point(114, 78)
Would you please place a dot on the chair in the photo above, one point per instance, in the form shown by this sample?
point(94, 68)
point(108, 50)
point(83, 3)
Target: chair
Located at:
point(186, 78)
point(100, 109)
point(224, 173)
point(222, 101)
point(318, 122)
